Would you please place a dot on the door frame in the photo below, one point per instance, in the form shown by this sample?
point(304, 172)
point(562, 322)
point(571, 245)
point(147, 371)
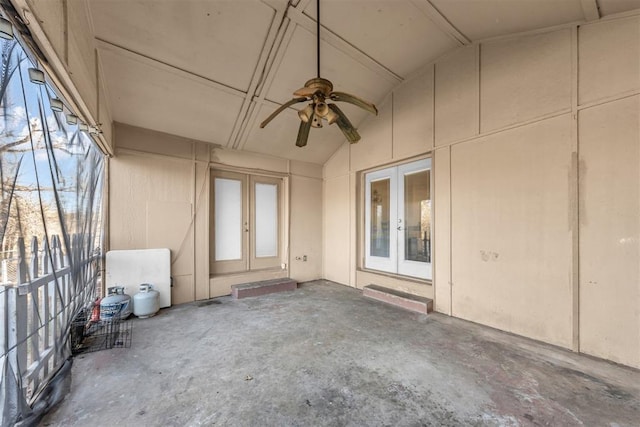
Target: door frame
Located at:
point(245, 266)
point(383, 265)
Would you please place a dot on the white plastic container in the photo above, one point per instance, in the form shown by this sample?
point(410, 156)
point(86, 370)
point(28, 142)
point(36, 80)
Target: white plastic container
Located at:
point(116, 305)
point(146, 303)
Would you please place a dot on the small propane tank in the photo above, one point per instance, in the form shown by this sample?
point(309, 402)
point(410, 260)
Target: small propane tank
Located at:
point(116, 305)
point(146, 303)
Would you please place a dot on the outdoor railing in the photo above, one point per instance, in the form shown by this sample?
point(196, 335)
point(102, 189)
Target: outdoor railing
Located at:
point(36, 310)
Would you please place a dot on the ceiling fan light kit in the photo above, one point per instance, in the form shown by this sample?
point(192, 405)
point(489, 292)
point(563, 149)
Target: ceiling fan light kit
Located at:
point(317, 92)
point(306, 113)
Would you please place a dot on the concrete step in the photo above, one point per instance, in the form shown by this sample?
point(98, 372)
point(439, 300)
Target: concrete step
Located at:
point(264, 287)
point(399, 299)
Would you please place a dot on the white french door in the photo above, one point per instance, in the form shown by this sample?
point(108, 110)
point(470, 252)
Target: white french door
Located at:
point(398, 219)
point(246, 222)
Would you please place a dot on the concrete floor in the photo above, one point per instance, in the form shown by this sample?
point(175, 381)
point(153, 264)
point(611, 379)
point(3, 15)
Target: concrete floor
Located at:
point(324, 355)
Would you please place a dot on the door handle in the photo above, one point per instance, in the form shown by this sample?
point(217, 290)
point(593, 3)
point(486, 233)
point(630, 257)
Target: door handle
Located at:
point(399, 228)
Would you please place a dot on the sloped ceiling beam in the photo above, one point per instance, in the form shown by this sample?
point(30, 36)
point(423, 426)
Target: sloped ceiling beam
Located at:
point(277, 29)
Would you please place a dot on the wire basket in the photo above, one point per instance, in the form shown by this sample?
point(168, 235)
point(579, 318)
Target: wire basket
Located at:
point(87, 336)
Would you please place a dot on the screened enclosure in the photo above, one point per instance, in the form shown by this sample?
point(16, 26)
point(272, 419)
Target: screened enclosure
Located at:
point(52, 175)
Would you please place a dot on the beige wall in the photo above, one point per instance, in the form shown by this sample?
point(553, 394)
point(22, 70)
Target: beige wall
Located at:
point(511, 238)
point(159, 197)
point(609, 188)
point(536, 164)
point(609, 230)
point(305, 222)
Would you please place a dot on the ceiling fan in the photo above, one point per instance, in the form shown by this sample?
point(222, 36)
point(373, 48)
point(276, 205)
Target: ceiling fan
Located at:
point(318, 91)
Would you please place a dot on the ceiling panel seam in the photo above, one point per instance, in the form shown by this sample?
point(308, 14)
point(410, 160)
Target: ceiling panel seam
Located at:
point(259, 100)
point(527, 33)
point(243, 136)
point(270, 47)
point(276, 61)
point(278, 49)
point(161, 65)
point(260, 95)
point(302, 4)
point(441, 21)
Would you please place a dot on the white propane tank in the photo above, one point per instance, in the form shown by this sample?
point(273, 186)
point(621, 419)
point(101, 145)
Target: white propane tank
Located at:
point(116, 305)
point(146, 303)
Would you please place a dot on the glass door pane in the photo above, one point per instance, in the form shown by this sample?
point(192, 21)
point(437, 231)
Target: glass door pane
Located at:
point(381, 220)
point(379, 227)
point(266, 205)
point(230, 236)
point(228, 219)
point(414, 213)
point(417, 216)
point(266, 222)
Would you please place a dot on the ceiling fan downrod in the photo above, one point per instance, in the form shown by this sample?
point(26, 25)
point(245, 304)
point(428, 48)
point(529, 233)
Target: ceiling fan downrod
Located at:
point(318, 37)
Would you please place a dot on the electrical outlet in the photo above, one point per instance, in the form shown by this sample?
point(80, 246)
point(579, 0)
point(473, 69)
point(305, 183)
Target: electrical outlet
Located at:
point(298, 258)
point(304, 257)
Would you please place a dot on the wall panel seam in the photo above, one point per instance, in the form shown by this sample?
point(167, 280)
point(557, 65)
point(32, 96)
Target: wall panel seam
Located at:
point(609, 99)
point(478, 75)
point(549, 116)
point(574, 196)
point(450, 281)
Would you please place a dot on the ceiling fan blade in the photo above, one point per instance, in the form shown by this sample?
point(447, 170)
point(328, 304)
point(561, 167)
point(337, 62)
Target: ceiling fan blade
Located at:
point(345, 125)
point(352, 99)
point(280, 109)
point(303, 132)
point(305, 91)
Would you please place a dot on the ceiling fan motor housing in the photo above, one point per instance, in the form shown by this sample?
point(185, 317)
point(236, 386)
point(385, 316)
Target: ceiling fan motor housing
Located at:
point(321, 85)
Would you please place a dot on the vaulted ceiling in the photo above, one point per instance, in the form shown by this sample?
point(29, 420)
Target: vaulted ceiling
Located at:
point(213, 70)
